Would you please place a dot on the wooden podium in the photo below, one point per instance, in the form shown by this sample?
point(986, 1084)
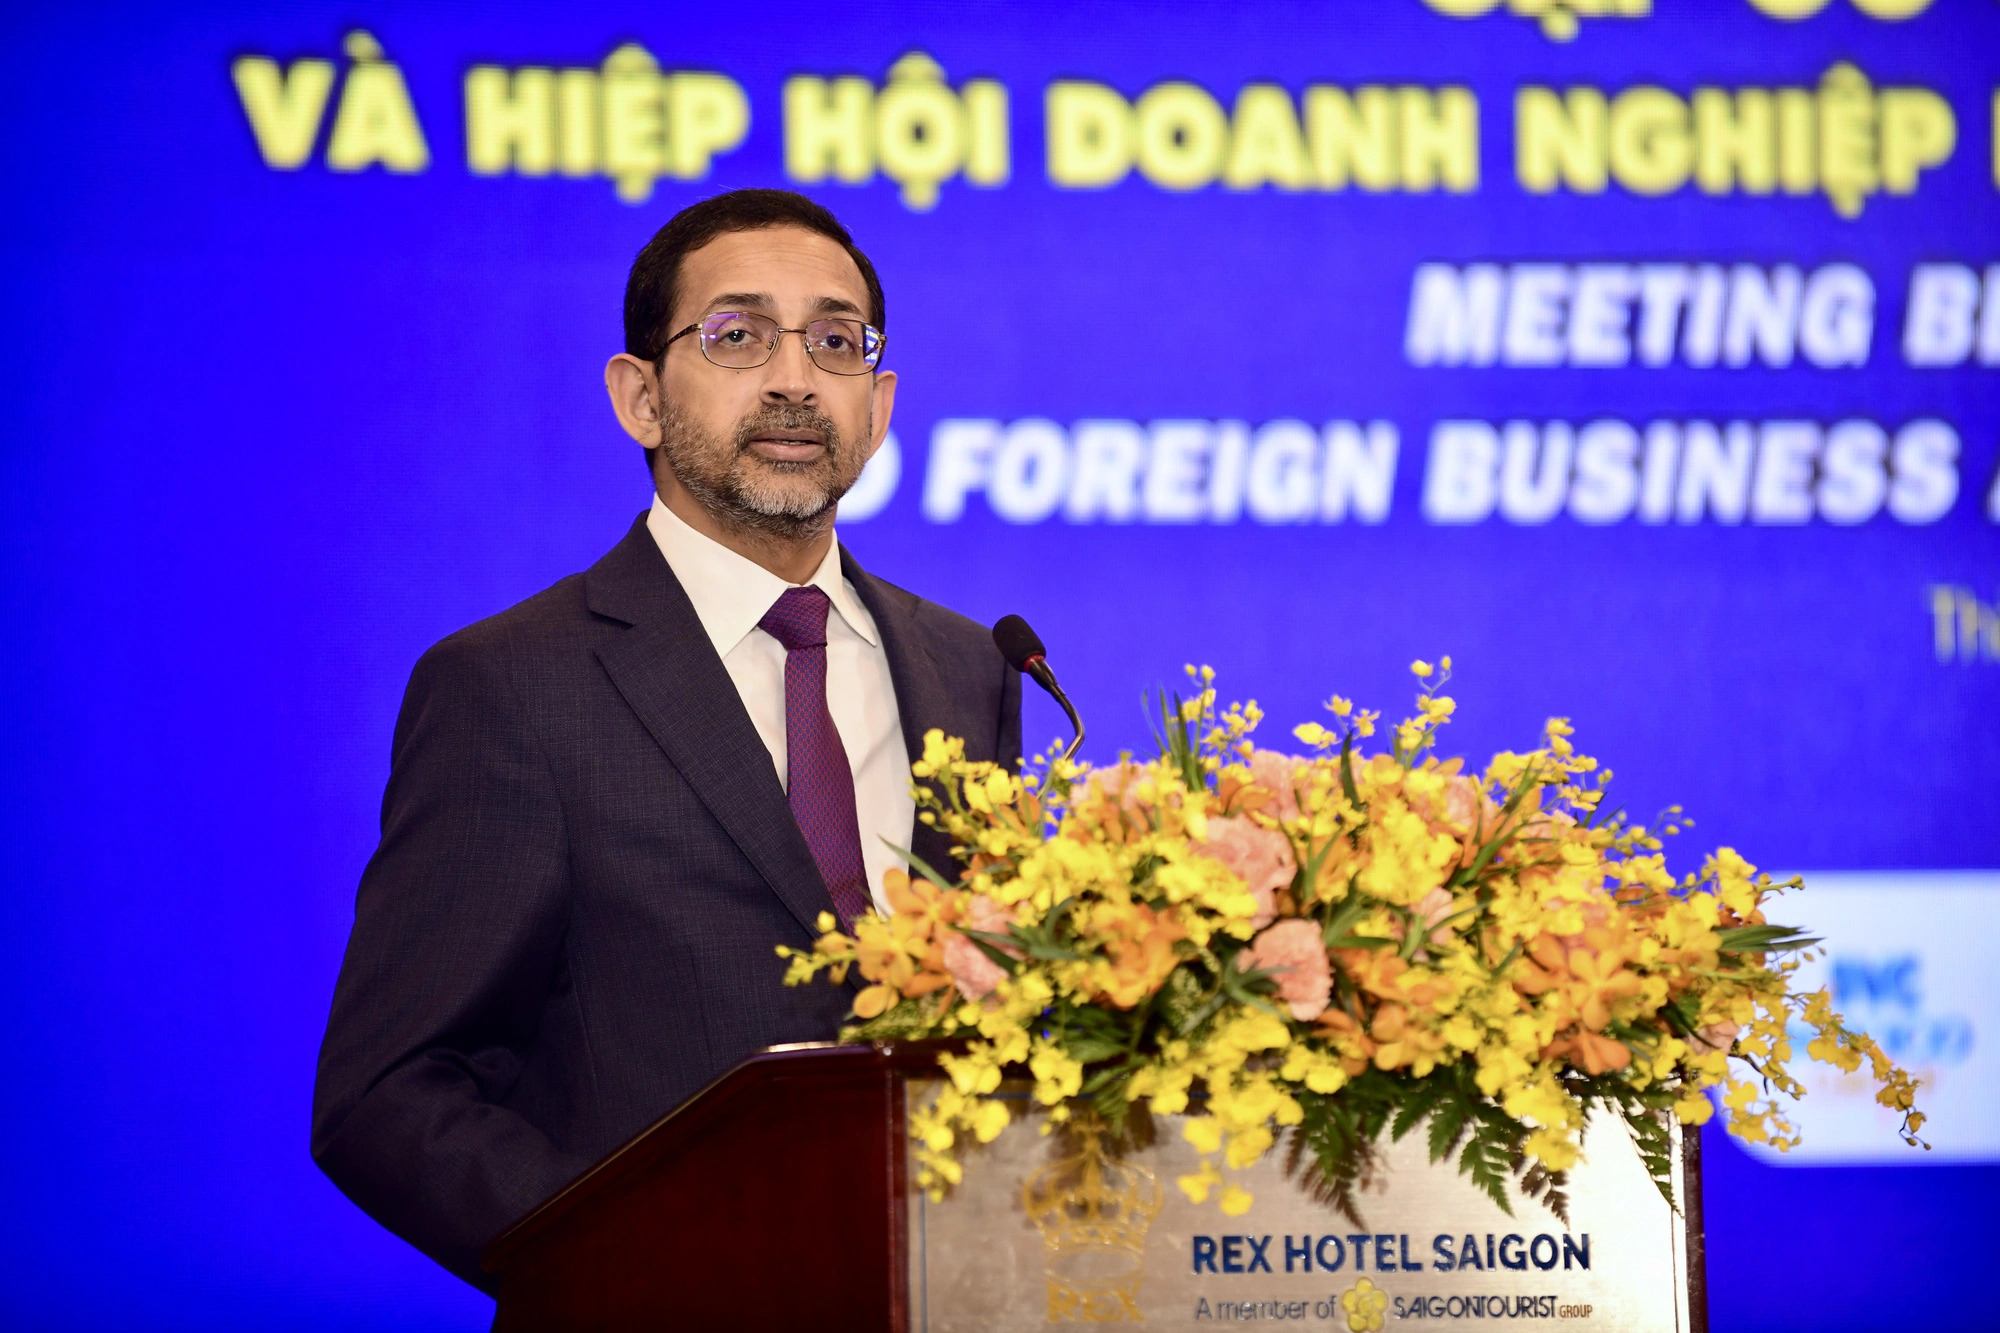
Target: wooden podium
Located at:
point(772, 1199)
point(779, 1197)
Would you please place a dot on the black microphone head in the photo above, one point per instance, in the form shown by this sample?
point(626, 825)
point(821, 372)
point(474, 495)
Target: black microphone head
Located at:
point(1017, 643)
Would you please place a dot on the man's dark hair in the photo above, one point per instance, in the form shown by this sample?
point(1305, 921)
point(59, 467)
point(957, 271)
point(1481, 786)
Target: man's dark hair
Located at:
point(655, 282)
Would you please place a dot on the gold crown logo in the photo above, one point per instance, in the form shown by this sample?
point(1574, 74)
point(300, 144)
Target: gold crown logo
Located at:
point(1093, 1212)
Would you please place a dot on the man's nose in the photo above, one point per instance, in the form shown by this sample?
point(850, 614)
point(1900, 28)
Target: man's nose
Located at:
point(788, 375)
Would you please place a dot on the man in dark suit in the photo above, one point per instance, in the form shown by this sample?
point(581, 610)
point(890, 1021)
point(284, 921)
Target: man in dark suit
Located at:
point(608, 804)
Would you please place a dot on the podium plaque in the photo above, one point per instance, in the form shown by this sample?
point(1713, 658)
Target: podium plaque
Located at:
point(779, 1197)
point(1052, 1230)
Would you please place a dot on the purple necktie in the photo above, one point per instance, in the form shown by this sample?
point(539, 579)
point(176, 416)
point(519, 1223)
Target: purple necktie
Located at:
point(821, 788)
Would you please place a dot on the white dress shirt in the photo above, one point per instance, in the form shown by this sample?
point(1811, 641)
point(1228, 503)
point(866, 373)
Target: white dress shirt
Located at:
point(731, 593)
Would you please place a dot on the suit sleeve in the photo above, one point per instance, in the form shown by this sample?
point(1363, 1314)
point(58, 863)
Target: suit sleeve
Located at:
point(1008, 750)
point(458, 936)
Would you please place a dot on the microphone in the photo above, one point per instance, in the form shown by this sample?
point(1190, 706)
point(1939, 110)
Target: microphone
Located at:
point(1022, 648)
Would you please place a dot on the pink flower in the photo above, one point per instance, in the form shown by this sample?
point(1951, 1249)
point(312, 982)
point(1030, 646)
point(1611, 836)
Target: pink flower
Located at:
point(1431, 909)
point(1596, 913)
point(1261, 857)
point(1468, 808)
point(1716, 1037)
point(1468, 813)
point(1277, 773)
point(1295, 954)
point(1121, 783)
point(1545, 826)
point(975, 973)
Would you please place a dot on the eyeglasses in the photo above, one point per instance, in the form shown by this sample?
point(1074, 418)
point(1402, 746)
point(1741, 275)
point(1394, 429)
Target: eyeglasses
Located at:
point(739, 340)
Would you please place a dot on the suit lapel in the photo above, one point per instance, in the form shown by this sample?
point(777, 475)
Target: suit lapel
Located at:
point(922, 700)
point(666, 669)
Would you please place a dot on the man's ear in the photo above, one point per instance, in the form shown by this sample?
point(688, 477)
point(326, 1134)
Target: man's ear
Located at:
point(634, 387)
point(881, 402)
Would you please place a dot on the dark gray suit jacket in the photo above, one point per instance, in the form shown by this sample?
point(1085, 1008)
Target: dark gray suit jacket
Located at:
point(586, 863)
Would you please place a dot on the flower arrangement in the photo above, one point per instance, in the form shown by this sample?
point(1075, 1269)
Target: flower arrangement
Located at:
point(1336, 945)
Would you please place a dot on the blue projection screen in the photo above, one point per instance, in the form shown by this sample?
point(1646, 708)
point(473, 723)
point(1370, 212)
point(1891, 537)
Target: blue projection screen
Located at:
point(1639, 354)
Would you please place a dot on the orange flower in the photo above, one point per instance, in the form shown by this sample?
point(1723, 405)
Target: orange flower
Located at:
point(874, 1001)
point(1597, 1054)
point(1140, 943)
point(1542, 967)
point(1384, 975)
point(1601, 980)
point(881, 955)
point(1354, 1046)
point(904, 954)
point(919, 905)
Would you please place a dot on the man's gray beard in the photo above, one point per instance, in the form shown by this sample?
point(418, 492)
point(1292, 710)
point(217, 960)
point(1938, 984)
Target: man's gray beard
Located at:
point(726, 484)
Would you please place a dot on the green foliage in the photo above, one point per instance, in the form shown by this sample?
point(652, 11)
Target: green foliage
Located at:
point(1335, 1151)
point(1332, 1150)
point(906, 1020)
point(1178, 743)
point(1764, 939)
point(1647, 1116)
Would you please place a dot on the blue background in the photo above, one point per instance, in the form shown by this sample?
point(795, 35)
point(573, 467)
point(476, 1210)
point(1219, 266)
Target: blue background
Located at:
point(269, 434)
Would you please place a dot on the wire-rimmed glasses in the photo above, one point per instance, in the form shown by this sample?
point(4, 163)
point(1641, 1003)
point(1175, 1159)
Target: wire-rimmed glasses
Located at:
point(744, 340)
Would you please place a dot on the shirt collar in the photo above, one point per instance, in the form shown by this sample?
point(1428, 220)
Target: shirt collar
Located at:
point(731, 592)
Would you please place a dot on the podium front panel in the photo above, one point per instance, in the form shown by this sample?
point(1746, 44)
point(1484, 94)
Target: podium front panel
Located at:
point(1051, 1229)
